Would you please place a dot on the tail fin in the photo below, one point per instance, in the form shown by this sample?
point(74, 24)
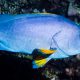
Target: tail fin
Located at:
point(39, 63)
point(40, 57)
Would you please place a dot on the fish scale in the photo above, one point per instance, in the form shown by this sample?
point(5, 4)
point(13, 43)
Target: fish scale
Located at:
point(27, 32)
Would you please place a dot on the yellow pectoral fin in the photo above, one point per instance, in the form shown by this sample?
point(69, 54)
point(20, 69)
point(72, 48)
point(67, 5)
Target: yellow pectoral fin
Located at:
point(47, 51)
point(41, 62)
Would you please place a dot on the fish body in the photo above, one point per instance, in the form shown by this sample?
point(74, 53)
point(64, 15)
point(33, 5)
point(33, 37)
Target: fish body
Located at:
point(24, 33)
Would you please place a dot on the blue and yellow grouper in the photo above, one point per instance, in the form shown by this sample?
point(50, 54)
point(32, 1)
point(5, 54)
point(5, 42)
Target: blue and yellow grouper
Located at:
point(51, 34)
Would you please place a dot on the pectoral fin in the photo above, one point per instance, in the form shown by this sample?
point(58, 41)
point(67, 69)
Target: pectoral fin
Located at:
point(45, 51)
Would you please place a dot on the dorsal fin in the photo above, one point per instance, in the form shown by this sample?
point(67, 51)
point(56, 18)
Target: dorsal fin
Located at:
point(8, 17)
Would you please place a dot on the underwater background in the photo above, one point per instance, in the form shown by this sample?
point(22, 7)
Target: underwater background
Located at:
point(19, 66)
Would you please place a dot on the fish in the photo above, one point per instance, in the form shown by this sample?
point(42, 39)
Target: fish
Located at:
point(50, 34)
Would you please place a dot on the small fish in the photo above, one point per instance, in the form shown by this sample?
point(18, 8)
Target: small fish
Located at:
point(51, 34)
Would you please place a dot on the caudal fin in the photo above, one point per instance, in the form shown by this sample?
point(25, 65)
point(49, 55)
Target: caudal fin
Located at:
point(39, 63)
point(40, 57)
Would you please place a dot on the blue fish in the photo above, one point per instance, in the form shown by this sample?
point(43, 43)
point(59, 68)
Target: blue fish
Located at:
point(49, 33)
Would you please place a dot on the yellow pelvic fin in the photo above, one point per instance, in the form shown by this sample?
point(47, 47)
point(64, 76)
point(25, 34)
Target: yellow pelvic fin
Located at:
point(41, 62)
point(47, 51)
